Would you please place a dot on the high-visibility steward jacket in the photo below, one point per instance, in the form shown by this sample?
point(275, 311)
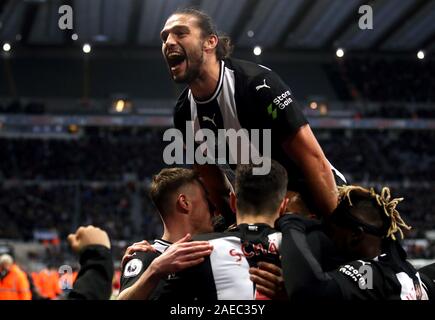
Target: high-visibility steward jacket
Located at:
point(15, 285)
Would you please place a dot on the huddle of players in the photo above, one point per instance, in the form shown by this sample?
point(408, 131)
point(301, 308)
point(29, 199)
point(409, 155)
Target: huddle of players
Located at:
point(271, 253)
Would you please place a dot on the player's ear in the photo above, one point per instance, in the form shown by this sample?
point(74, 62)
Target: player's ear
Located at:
point(183, 204)
point(211, 43)
point(233, 201)
point(283, 206)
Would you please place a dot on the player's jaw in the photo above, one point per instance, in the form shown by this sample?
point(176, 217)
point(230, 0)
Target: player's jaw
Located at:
point(183, 66)
point(176, 59)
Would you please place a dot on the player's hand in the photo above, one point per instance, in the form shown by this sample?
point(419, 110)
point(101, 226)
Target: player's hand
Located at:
point(269, 281)
point(181, 255)
point(86, 236)
point(142, 246)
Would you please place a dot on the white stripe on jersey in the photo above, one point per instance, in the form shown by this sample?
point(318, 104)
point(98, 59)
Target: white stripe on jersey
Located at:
point(230, 270)
point(160, 245)
point(276, 239)
point(225, 97)
point(408, 289)
point(227, 102)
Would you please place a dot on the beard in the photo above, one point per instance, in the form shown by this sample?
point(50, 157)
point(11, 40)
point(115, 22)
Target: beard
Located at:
point(193, 67)
point(194, 60)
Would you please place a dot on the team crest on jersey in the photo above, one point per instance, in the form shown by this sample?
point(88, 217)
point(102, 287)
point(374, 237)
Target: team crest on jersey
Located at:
point(132, 268)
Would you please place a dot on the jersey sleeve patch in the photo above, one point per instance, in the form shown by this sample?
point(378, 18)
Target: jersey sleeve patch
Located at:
point(359, 272)
point(133, 268)
point(275, 104)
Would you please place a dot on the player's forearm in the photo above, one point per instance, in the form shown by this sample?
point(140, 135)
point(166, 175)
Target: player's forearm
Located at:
point(143, 287)
point(305, 151)
point(321, 183)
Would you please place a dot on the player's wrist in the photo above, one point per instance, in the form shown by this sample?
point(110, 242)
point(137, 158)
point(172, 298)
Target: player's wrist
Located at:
point(155, 270)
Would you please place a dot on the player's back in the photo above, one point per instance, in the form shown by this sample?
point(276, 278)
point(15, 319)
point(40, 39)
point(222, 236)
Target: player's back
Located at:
point(224, 275)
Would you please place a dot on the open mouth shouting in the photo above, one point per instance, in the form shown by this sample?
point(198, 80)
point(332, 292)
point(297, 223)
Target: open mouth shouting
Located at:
point(176, 60)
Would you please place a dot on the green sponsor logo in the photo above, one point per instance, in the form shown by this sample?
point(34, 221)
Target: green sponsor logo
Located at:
point(273, 112)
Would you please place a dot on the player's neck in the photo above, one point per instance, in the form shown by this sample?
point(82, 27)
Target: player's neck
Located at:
point(252, 219)
point(206, 83)
point(174, 232)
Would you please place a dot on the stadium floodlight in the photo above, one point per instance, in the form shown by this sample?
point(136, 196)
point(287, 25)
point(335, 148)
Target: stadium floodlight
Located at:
point(339, 53)
point(86, 48)
point(257, 50)
point(119, 106)
point(420, 55)
point(6, 47)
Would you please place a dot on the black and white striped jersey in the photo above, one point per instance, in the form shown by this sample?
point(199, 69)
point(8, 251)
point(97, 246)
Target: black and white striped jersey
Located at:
point(224, 275)
point(134, 268)
point(248, 96)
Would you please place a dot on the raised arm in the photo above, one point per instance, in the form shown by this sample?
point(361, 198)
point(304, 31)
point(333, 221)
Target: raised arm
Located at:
point(302, 147)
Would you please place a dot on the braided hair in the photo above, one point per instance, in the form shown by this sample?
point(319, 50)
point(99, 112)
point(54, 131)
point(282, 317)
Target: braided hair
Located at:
point(384, 201)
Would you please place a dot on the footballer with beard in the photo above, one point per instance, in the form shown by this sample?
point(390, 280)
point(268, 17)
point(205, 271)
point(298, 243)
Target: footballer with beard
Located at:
point(227, 93)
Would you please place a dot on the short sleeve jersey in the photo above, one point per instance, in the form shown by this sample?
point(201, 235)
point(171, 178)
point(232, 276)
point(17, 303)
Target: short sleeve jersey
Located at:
point(248, 96)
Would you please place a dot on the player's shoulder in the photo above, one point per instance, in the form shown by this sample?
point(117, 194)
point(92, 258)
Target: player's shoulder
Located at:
point(138, 262)
point(182, 100)
point(246, 70)
point(161, 245)
point(214, 236)
point(355, 269)
point(362, 279)
point(181, 112)
point(141, 260)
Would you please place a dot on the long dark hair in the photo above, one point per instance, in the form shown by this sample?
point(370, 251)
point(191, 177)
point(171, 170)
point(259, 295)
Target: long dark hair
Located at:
point(224, 47)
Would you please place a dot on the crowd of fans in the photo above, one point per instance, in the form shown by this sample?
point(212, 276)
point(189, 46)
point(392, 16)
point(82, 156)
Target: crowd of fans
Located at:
point(57, 209)
point(18, 107)
point(363, 155)
point(122, 160)
point(397, 111)
point(383, 80)
point(381, 156)
point(107, 155)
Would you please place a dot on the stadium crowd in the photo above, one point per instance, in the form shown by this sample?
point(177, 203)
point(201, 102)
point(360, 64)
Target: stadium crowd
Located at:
point(368, 157)
point(396, 79)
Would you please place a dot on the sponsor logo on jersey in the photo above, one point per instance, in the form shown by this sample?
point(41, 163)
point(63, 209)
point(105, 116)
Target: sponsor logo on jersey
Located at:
point(272, 111)
point(283, 100)
point(264, 85)
point(205, 118)
point(363, 275)
point(132, 268)
point(351, 272)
